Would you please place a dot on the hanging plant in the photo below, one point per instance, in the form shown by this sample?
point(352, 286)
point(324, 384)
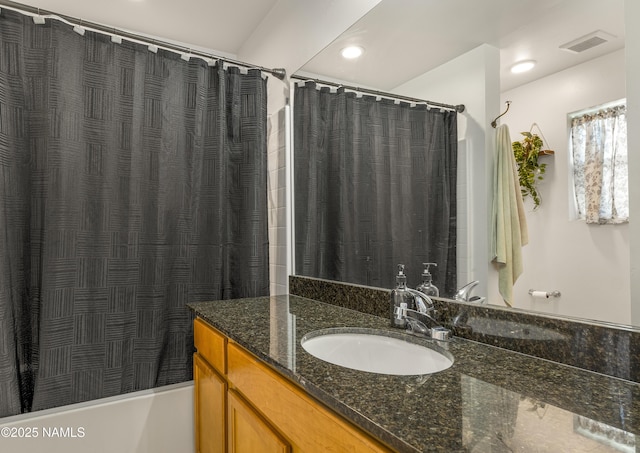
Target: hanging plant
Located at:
point(530, 171)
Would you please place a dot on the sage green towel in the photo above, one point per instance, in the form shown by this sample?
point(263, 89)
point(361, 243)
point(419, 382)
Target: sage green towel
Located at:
point(509, 219)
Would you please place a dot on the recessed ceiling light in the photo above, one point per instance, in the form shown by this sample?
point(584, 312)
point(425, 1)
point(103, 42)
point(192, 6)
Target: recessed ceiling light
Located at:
point(523, 66)
point(352, 52)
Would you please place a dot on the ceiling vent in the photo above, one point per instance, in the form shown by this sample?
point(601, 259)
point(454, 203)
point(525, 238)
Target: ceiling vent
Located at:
point(587, 42)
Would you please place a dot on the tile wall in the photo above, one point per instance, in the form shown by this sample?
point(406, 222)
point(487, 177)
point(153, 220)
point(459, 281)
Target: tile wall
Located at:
point(276, 151)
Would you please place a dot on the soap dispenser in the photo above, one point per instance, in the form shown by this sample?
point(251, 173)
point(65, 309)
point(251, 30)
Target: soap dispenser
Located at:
point(427, 287)
point(401, 299)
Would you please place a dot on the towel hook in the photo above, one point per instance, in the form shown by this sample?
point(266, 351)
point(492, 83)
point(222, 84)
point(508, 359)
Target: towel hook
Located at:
point(494, 122)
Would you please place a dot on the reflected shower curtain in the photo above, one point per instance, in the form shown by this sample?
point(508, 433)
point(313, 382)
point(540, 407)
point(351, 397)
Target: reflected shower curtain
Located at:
point(131, 183)
point(375, 185)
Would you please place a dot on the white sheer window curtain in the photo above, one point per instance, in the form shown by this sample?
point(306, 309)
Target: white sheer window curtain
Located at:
point(600, 174)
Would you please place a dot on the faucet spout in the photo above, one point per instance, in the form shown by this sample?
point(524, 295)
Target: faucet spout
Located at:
point(463, 293)
point(424, 304)
point(422, 324)
point(422, 317)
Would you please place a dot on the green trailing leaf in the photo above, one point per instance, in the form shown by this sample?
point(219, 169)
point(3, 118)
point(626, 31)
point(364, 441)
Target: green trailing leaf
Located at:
point(530, 171)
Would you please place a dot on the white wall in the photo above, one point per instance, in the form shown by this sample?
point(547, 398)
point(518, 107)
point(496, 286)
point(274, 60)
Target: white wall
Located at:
point(473, 80)
point(588, 264)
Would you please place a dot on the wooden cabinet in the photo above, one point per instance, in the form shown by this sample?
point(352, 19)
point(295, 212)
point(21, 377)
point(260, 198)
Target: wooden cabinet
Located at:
point(224, 421)
point(210, 391)
point(248, 432)
point(265, 412)
point(307, 424)
point(211, 345)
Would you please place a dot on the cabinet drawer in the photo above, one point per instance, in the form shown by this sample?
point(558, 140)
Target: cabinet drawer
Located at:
point(210, 344)
point(307, 424)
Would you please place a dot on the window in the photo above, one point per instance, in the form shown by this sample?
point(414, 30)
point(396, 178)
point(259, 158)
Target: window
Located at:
point(600, 174)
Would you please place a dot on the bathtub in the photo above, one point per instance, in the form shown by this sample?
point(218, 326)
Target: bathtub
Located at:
point(159, 420)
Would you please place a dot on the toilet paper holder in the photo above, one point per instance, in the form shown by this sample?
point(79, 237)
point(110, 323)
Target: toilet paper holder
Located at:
point(545, 294)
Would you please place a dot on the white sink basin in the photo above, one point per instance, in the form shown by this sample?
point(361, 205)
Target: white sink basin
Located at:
point(375, 352)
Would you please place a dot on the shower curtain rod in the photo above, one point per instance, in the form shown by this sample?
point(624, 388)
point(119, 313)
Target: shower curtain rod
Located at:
point(279, 73)
point(458, 108)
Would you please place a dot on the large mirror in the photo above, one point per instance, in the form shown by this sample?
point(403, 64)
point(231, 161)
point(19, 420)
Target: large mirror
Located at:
point(460, 52)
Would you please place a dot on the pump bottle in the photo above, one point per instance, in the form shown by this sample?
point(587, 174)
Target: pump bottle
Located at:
point(401, 299)
point(427, 287)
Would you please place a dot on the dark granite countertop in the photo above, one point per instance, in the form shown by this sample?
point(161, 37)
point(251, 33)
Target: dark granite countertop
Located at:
point(490, 400)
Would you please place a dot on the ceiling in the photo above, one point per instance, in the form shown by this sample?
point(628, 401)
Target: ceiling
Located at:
point(406, 38)
point(402, 38)
point(205, 24)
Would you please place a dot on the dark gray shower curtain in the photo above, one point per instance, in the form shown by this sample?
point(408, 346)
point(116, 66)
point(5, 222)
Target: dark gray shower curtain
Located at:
point(131, 184)
point(375, 185)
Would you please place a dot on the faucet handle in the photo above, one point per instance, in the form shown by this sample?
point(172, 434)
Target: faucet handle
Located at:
point(400, 311)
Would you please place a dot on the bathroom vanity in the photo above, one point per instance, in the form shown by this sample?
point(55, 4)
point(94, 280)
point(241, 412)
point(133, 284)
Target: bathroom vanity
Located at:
point(258, 410)
point(257, 389)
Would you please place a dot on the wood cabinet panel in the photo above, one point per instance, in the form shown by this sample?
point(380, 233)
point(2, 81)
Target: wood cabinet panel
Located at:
point(211, 345)
point(210, 391)
point(308, 425)
point(248, 432)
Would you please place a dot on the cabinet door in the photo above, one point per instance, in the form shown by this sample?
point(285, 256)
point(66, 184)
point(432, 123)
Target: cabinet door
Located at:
point(307, 424)
point(248, 432)
point(210, 407)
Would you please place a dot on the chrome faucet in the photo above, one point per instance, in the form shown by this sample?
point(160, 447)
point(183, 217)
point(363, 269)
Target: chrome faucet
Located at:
point(417, 319)
point(464, 293)
point(424, 304)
